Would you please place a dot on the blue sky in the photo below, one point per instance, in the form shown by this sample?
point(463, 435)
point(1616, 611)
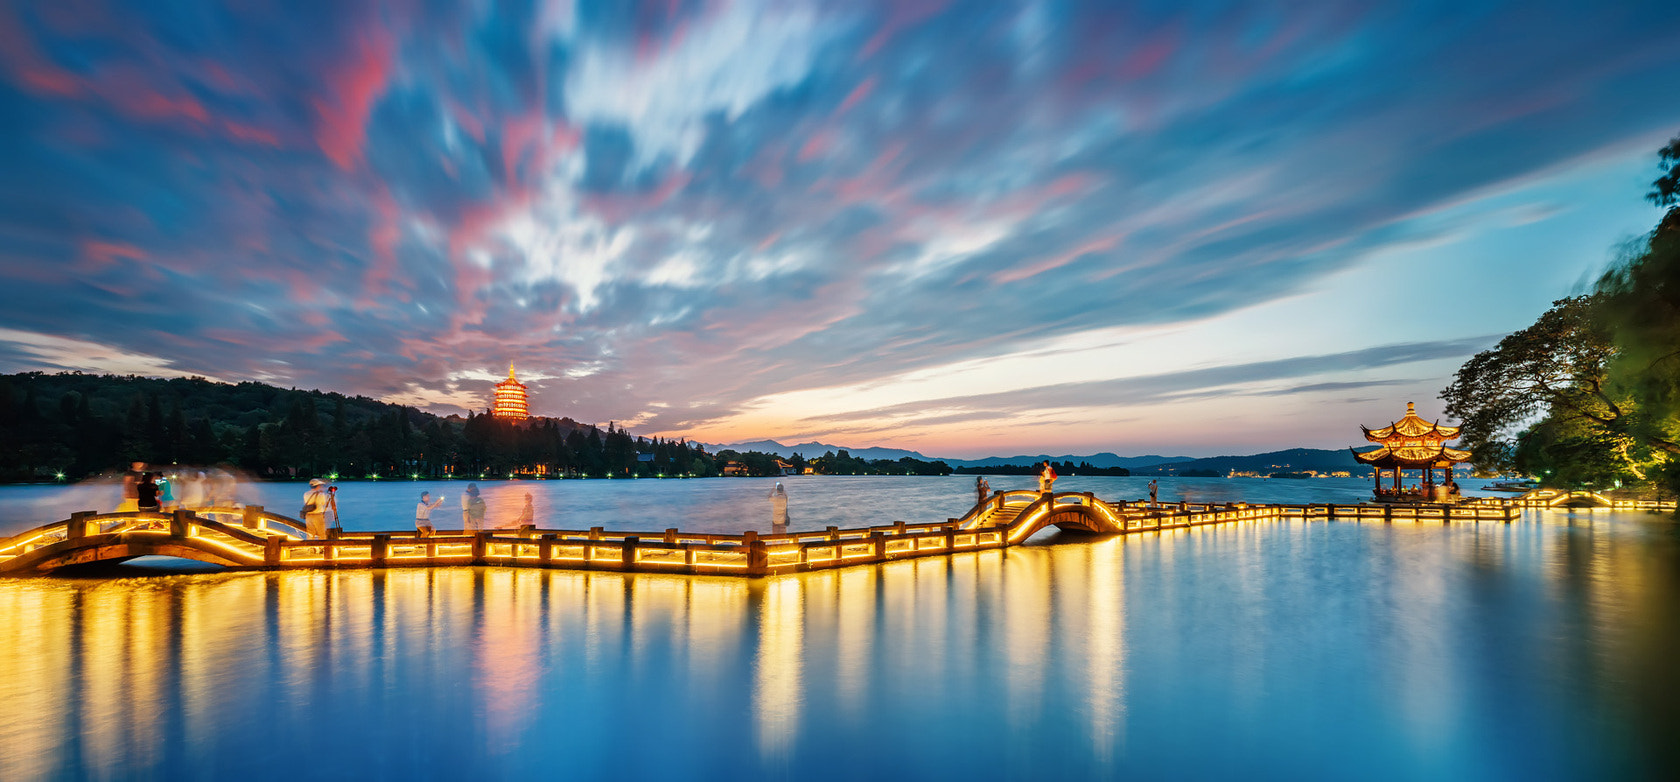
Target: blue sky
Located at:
point(964, 228)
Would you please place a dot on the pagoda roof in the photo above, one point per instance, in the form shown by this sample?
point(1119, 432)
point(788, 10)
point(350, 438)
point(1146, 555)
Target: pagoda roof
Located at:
point(1411, 426)
point(511, 380)
point(1412, 456)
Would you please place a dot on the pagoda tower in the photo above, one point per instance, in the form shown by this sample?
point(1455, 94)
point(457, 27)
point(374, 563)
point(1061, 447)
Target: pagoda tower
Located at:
point(1412, 443)
point(511, 400)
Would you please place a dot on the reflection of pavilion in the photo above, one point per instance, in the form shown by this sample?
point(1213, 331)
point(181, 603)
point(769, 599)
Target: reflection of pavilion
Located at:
point(1412, 443)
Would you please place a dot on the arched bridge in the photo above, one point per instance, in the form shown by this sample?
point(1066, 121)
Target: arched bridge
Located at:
point(251, 538)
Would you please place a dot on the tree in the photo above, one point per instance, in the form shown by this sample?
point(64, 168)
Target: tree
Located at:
point(1555, 372)
point(1590, 394)
point(1665, 191)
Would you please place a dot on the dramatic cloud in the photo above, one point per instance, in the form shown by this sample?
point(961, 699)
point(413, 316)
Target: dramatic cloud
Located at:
point(685, 214)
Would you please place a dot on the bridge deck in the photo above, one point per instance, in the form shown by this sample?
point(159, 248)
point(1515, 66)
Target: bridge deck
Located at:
point(251, 538)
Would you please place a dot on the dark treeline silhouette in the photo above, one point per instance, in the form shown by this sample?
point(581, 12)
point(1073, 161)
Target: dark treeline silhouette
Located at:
point(1062, 468)
point(831, 463)
point(76, 425)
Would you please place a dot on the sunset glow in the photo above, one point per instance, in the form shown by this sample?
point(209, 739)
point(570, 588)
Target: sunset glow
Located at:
point(961, 228)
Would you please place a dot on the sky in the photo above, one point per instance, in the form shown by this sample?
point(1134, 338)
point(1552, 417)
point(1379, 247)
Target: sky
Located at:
point(961, 228)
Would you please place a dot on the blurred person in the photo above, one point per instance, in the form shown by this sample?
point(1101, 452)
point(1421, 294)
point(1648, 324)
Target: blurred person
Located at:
point(423, 514)
point(192, 492)
point(778, 509)
point(166, 492)
point(131, 480)
point(314, 511)
point(1154, 488)
point(1047, 477)
point(527, 514)
point(146, 493)
point(982, 490)
point(472, 510)
point(226, 488)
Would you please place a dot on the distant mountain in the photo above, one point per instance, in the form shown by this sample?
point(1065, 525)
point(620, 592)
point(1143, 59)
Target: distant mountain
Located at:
point(814, 449)
point(1291, 460)
point(1104, 459)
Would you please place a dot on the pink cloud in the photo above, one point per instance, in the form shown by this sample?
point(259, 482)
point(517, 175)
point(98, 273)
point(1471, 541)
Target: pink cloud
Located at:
point(382, 238)
point(817, 145)
point(857, 95)
point(1102, 244)
point(1147, 58)
point(102, 252)
point(901, 15)
point(617, 208)
point(342, 125)
point(251, 133)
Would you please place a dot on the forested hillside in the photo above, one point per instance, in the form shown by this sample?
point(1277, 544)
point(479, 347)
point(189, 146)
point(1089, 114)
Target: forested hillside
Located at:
point(77, 425)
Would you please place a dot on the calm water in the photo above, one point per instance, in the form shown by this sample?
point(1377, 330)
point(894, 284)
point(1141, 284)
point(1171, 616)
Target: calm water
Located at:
point(704, 505)
point(1544, 649)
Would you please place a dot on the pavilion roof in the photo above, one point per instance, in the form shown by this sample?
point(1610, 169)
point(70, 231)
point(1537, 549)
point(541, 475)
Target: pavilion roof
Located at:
point(1413, 457)
point(1411, 427)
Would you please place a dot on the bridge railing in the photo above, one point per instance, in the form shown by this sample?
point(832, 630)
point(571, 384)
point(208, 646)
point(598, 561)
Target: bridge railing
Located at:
point(252, 537)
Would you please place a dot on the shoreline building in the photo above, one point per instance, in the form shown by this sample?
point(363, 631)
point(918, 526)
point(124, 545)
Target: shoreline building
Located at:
point(1412, 443)
point(512, 401)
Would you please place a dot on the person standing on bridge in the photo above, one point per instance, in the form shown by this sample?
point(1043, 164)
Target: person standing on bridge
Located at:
point(130, 492)
point(982, 490)
point(332, 507)
point(1154, 487)
point(314, 511)
point(472, 510)
point(1047, 477)
point(146, 494)
point(778, 510)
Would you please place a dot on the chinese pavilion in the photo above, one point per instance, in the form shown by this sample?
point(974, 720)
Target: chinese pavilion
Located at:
point(511, 401)
point(1412, 443)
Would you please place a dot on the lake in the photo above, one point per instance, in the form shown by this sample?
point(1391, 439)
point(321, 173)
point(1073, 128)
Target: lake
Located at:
point(1542, 649)
point(716, 505)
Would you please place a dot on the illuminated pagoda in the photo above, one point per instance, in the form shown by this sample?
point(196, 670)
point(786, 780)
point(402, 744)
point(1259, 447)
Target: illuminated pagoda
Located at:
point(511, 401)
point(1412, 443)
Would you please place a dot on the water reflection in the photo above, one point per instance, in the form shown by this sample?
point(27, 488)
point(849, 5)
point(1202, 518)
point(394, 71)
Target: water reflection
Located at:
point(777, 669)
point(1543, 649)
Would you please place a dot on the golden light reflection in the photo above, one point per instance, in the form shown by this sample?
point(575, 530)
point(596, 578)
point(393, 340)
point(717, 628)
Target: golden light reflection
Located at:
point(1105, 598)
point(110, 677)
point(854, 617)
point(1027, 613)
point(714, 619)
point(37, 640)
point(777, 695)
point(508, 654)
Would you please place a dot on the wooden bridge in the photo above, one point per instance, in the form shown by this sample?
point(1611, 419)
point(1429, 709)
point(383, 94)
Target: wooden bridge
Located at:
point(1558, 498)
point(251, 538)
